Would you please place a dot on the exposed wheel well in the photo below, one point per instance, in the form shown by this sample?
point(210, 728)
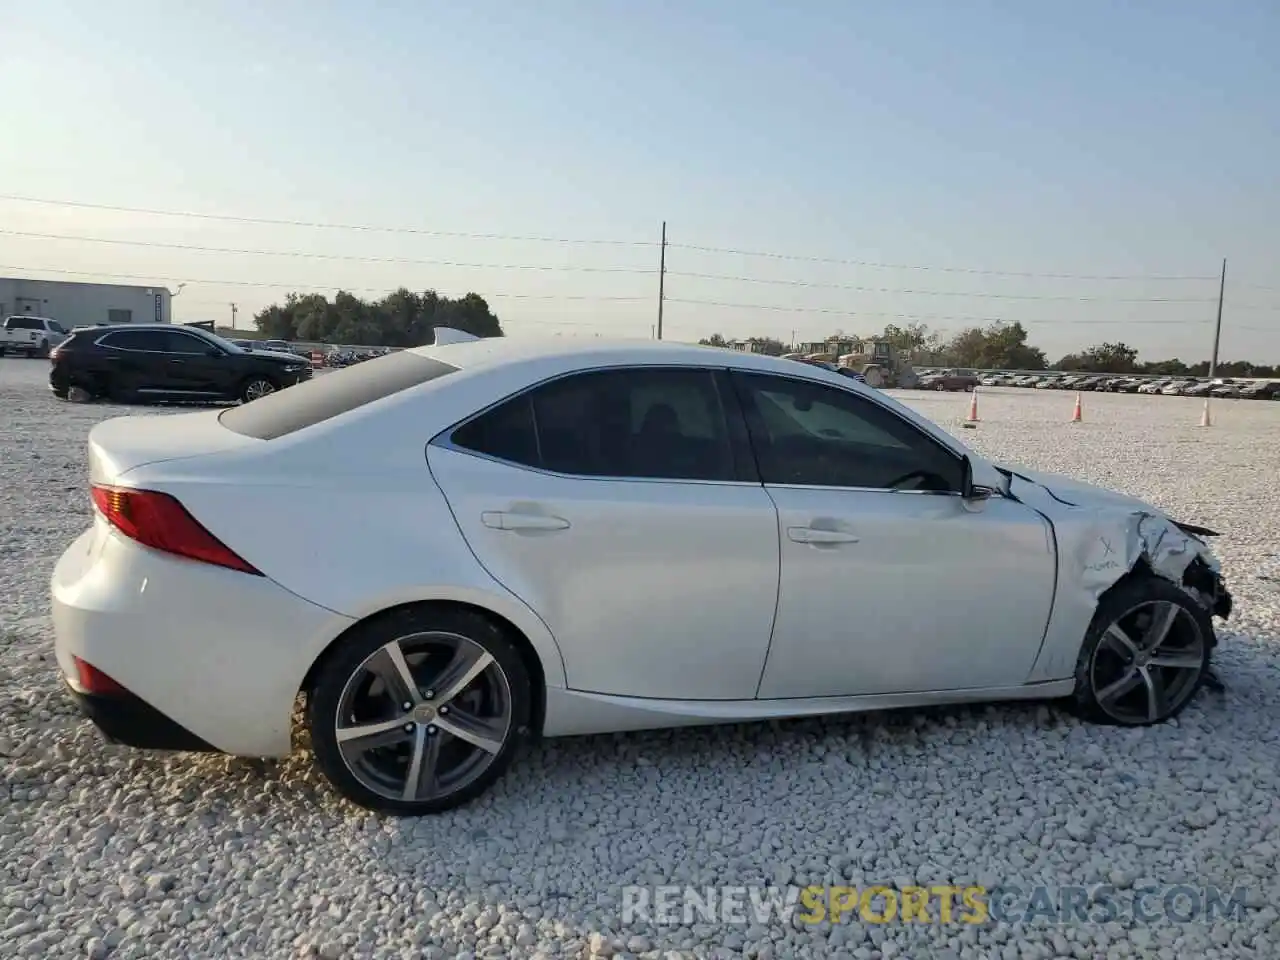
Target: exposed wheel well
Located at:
point(1142, 571)
point(537, 677)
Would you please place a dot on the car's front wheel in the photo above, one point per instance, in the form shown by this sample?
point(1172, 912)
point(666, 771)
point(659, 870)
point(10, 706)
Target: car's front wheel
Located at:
point(420, 711)
point(256, 387)
point(1145, 655)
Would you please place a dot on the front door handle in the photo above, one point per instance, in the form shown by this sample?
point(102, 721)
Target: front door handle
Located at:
point(815, 535)
point(503, 520)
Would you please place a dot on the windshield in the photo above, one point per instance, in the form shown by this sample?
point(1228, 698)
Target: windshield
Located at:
point(225, 344)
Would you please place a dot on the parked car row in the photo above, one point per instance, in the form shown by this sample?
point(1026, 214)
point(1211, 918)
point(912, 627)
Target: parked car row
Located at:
point(1229, 387)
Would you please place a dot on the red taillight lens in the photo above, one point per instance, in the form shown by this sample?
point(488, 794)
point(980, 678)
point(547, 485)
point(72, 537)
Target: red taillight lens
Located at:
point(92, 680)
point(159, 521)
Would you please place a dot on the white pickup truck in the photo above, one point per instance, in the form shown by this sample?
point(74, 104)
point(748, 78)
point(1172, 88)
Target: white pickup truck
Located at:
point(34, 336)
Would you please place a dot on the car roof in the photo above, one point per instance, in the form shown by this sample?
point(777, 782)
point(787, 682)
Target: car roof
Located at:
point(499, 351)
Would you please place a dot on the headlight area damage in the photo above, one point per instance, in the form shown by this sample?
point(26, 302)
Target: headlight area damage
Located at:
point(1120, 540)
point(1104, 536)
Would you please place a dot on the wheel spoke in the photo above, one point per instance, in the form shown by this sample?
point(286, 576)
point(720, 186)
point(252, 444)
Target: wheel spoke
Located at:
point(1155, 694)
point(1119, 640)
point(469, 661)
point(488, 735)
point(415, 763)
point(389, 665)
point(420, 782)
point(373, 735)
point(1177, 661)
point(1162, 617)
point(1119, 688)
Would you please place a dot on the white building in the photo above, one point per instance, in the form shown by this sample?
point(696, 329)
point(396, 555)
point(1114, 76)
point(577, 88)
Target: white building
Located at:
point(83, 304)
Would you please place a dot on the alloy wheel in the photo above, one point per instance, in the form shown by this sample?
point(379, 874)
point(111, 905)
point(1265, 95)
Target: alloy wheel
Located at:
point(423, 716)
point(258, 388)
point(1147, 663)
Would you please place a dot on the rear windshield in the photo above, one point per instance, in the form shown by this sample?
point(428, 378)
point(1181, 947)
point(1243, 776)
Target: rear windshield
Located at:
point(24, 323)
point(327, 395)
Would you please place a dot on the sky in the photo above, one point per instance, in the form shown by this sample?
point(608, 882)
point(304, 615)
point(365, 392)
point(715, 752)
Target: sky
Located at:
point(944, 163)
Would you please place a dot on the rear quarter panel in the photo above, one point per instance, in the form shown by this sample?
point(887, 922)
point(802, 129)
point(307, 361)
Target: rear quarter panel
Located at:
point(348, 519)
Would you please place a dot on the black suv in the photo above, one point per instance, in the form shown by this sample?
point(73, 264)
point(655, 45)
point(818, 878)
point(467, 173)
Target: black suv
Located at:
point(156, 361)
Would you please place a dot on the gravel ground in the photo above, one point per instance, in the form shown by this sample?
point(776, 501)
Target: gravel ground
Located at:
point(105, 851)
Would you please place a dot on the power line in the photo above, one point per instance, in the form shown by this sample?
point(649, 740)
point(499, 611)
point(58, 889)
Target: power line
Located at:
point(320, 225)
point(917, 316)
point(588, 241)
point(572, 268)
point(909, 266)
point(313, 286)
point(937, 293)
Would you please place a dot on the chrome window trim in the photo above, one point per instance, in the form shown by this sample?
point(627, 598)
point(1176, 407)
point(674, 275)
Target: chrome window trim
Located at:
point(444, 439)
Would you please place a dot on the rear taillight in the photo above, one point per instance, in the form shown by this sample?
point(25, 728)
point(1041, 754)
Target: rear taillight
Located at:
point(158, 521)
point(94, 681)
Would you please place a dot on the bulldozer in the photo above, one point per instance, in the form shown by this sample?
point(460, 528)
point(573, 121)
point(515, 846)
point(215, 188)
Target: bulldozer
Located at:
point(881, 365)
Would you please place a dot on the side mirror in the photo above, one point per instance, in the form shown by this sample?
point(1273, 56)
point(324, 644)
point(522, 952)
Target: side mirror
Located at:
point(968, 492)
point(214, 352)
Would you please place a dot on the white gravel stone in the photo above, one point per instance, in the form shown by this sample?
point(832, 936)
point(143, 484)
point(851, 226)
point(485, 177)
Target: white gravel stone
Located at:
point(108, 852)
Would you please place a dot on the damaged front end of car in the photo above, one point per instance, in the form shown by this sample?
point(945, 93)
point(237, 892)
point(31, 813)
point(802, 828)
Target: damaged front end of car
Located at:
point(1203, 577)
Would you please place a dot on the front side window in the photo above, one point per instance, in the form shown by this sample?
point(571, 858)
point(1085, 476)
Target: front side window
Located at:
point(813, 435)
point(176, 342)
point(651, 422)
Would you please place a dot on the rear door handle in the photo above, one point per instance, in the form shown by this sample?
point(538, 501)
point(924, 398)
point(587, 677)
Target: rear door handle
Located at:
point(814, 535)
point(502, 520)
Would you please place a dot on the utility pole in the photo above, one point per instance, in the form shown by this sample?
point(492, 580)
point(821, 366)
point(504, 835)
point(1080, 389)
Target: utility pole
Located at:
point(1217, 330)
point(1205, 418)
point(233, 316)
point(662, 276)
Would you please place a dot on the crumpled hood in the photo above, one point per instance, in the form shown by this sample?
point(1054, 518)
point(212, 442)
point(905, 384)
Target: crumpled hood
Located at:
point(1078, 493)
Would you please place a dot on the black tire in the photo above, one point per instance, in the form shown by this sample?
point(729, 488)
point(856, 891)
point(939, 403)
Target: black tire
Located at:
point(1104, 665)
point(252, 388)
point(43, 352)
point(345, 663)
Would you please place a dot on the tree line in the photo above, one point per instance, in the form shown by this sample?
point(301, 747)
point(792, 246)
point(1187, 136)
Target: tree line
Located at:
point(1003, 346)
point(400, 319)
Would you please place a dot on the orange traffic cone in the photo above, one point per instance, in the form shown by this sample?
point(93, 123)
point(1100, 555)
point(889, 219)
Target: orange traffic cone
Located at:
point(1204, 416)
point(1077, 414)
point(973, 410)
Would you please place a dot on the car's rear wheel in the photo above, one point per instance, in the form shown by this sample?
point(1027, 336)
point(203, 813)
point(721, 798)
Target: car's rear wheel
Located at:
point(418, 712)
point(1145, 655)
point(256, 387)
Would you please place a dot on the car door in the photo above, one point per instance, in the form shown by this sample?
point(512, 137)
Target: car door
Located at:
point(891, 582)
point(621, 506)
point(193, 369)
point(134, 361)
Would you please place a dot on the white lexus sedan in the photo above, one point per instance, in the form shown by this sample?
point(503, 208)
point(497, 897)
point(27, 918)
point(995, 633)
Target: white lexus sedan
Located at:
point(494, 539)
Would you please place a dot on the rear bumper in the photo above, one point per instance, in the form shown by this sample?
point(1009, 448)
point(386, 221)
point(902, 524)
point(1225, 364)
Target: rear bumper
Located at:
point(219, 655)
point(129, 720)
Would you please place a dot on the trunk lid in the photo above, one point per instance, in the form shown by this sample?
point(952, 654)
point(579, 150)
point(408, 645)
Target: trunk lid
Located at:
point(124, 443)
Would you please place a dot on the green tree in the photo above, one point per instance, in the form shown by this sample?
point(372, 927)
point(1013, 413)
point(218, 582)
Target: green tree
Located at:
point(1103, 358)
point(1000, 346)
point(400, 319)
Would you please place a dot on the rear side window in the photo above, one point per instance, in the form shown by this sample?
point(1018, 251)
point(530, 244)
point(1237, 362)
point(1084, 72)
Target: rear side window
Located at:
point(331, 394)
point(659, 423)
point(151, 341)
